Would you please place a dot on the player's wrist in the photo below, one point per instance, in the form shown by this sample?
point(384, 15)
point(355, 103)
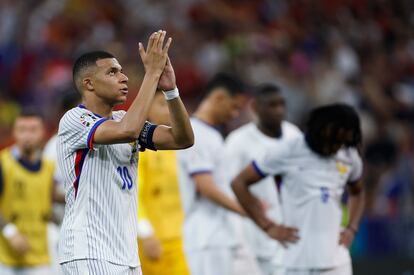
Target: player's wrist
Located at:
point(353, 229)
point(171, 94)
point(266, 227)
point(9, 230)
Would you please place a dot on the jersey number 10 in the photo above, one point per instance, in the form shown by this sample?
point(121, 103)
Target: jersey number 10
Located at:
point(126, 178)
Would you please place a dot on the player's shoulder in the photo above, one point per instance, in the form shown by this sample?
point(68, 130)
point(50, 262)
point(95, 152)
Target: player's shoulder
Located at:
point(242, 132)
point(290, 130)
point(4, 152)
point(76, 117)
point(350, 154)
point(203, 130)
point(118, 115)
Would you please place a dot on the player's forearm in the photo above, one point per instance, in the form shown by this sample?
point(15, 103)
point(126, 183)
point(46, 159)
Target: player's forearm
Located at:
point(250, 203)
point(213, 193)
point(180, 124)
point(356, 204)
point(135, 117)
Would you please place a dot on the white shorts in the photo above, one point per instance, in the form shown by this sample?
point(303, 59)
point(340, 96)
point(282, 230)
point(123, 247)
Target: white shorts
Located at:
point(210, 261)
point(37, 270)
point(244, 262)
point(98, 267)
point(340, 270)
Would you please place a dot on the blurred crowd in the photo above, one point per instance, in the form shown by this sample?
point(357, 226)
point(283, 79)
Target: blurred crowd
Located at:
point(356, 51)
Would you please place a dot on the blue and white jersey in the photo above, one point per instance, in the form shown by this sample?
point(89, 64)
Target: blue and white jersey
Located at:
point(242, 146)
point(311, 200)
point(206, 224)
point(100, 219)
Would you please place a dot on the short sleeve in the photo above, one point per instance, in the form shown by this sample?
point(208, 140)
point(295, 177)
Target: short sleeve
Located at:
point(273, 162)
point(235, 157)
point(200, 158)
point(77, 128)
point(145, 138)
point(357, 166)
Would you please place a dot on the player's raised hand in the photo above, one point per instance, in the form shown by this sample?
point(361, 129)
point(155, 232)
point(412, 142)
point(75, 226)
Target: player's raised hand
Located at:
point(155, 56)
point(283, 234)
point(167, 79)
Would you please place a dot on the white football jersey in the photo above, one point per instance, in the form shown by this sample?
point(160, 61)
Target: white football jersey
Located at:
point(100, 219)
point(206, 224)
point(242, 146)
point(311, 200)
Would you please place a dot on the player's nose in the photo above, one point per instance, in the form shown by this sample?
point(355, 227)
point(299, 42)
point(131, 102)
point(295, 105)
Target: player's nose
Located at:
point(123, 78)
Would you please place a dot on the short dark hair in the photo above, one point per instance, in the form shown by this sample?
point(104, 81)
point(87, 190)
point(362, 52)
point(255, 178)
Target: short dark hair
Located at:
point(85, 61)
point(69, 100)
point(231, 83)
point(30, 112)
point(265, 89)
point(336, 117)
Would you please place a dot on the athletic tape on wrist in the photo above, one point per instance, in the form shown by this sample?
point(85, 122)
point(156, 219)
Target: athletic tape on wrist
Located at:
point(171, 94)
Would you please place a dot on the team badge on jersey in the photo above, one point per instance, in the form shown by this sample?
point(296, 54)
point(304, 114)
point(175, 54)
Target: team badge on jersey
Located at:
point(341, 168)
point(88, 119)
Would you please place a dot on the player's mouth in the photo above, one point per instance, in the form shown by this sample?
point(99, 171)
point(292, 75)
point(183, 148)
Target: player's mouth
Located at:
point(124, 90)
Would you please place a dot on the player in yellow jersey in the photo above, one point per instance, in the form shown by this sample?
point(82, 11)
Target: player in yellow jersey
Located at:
point(26, 192)
point(160, 213)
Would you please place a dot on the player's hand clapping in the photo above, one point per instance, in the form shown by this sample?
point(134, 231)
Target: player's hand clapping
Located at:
point(283, 234)
point(155, 56)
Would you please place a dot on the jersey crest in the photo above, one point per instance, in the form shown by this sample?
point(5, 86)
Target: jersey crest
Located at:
point(87, 119)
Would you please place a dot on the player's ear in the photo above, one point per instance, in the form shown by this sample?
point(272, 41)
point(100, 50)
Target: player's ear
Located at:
point(87, 83)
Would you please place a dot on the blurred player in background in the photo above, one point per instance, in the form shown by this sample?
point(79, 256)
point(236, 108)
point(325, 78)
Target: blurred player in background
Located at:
point(69, 100)
point(160, 213)
point(208, 237)
point(253, 141)
point(316, 168)
point(98, 158)
point(26, 193)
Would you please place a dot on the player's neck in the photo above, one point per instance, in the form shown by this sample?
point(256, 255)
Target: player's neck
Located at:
point(103, 110)
point(30, 156)
point(273, 132)
point(204, 113)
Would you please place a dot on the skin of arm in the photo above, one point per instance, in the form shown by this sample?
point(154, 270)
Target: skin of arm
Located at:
point(130, 126)
point(207, 188)
point(180, 135)
point(356, 204)
point(255, 210)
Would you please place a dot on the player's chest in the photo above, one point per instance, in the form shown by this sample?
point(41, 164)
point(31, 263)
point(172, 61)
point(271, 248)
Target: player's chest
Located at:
point(123, 154)
point(318, 172)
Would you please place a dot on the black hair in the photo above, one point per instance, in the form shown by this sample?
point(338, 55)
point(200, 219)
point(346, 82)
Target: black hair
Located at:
point(86, 60)
point(231, 83)
point(69, 100)
point(30, 112)
point(336, 117)
point(265, 90)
